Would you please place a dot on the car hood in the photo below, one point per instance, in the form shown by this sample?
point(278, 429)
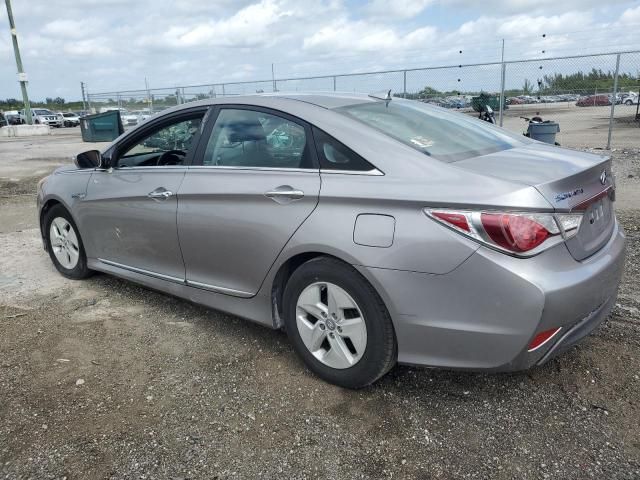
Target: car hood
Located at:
point(564, 177)
point(65, 168)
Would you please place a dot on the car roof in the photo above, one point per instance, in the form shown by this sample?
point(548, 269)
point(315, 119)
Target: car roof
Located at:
point(327, 100)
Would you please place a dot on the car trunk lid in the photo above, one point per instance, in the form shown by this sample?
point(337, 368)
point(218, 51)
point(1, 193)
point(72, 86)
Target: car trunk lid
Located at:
point(569, 180)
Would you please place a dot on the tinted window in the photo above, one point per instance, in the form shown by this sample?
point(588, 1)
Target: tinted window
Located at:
point(435, 132)
point(249, 138)
point(168, 144)
point(336, 156)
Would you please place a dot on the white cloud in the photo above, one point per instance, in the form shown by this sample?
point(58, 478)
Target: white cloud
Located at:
point(401, 9)
point(344, 35)
point(631, 16)
point(249, 27)
point(66, 28)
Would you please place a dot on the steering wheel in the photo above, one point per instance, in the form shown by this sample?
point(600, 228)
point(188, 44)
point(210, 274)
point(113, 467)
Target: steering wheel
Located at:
point(171, 157)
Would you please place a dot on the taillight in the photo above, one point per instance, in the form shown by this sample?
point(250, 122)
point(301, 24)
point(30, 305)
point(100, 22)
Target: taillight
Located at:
point(542, 338)
point(455, 219)
point(514, 232)
point(521, 234)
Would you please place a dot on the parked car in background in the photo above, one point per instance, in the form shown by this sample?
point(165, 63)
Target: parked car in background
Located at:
point(142, 115)
point(43, 116)
point(12, 117)
point(71, 119)
point(375, 231)
point(128, 118)
point(628, 98)
point(569, 97)
point(594, 101)
point(514, 101)
point(82, 113)
point(528, 99)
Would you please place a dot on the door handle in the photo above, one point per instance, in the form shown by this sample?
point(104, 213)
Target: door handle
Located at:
point(160, 194)
point(284, 192)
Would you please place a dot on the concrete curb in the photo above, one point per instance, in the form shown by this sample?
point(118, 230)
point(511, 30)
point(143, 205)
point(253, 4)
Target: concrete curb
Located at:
point(24, 130)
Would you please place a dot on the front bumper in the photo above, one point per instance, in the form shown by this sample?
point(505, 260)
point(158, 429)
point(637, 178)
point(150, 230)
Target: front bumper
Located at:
point(484, 314)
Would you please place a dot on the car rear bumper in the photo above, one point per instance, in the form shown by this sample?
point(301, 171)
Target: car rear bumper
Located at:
point(484, 314)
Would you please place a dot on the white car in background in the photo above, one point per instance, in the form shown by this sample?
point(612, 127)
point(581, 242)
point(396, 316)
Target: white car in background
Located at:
point(129, 119)
point(629, 98)
point(43, 116)
point(70, 119)
point(143, 115)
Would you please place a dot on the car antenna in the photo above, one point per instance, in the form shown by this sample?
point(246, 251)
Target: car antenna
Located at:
point(383, 95)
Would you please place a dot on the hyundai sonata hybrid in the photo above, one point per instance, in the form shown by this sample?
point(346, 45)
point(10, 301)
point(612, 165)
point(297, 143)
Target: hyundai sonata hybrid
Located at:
point(373, 229)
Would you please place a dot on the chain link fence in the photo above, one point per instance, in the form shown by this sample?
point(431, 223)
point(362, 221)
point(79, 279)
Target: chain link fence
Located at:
point(594, 98)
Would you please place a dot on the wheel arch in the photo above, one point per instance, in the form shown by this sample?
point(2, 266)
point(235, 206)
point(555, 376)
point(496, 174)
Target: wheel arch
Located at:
point(47, 205)
point(292, 263)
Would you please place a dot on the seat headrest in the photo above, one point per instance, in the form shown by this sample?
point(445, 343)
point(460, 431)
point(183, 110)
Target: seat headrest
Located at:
point(245, 131)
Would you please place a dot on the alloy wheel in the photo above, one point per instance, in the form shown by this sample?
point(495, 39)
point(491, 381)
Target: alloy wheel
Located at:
point(331, 325)
point(64, 242)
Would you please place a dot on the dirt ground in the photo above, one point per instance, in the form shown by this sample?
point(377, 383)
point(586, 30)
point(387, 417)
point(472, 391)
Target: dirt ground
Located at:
point(105, 379)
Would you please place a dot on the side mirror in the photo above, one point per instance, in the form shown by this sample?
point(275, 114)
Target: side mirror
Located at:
point(88, 159)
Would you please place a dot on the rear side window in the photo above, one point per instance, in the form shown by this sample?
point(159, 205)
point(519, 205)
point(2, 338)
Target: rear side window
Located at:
point(336, 156)
point(246, 138)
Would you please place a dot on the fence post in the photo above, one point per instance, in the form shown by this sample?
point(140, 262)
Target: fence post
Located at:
point(502, 81)
point(334, 83)
point(223, 93)
point(404, 84)
point(502, 72)
point(613, 100)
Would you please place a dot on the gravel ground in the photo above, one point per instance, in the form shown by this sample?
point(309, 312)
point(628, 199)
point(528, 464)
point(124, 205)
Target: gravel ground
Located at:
point(105, 379)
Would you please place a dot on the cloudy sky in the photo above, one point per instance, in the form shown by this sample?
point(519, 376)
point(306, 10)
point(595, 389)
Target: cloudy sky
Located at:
point(114, 44)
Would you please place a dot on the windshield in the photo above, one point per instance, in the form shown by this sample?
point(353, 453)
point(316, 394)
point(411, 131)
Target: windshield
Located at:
point(435, 132)
point(42, 111)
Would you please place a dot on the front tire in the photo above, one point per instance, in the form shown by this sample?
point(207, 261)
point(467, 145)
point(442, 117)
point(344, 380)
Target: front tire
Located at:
point(64, 244)
point(338, 323)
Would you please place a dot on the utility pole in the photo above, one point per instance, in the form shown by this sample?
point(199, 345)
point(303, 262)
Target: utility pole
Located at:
point(84, 101)
point(273, 78)
point(22, 77)
point(149, 97)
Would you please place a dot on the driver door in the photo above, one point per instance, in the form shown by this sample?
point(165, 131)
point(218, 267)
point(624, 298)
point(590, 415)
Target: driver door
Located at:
point(130, 209)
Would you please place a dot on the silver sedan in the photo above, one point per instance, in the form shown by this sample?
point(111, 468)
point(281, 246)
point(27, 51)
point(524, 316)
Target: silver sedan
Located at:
point(374, 230)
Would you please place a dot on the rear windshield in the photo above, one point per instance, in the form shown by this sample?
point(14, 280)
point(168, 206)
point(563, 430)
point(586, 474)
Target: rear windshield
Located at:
point(446, 136)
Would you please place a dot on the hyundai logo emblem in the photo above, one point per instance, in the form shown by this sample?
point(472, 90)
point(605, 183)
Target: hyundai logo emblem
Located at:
point(603, 177)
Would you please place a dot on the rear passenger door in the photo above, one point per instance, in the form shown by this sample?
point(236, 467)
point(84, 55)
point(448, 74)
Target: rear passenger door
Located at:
point(254, 180)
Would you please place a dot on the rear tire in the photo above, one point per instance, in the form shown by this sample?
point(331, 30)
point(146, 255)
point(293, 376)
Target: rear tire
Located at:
point(352, 349)
point(64, 244)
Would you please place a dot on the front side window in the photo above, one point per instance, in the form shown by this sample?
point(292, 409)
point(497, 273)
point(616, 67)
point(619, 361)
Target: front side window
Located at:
point(248, 138)
point(166, 145)
point(446, 136)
